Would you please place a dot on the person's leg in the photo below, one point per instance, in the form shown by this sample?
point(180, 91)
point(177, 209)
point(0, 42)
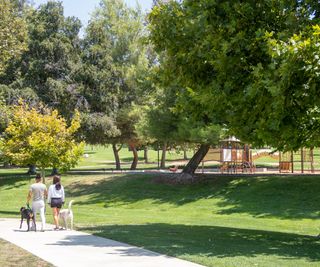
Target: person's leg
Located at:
point(35, 208)
point(43, 217)
point(56, 216)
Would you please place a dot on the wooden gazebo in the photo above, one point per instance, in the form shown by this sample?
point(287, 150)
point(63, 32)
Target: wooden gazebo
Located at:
point(233, 156)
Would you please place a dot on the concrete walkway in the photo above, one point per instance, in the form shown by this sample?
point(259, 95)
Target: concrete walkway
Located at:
point(73, 248)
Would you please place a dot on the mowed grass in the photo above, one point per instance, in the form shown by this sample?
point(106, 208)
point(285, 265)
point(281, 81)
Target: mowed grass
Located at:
point(102, 157)
point(218, 221)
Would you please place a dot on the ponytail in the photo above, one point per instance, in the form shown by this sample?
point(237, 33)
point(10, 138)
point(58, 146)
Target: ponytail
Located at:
point(58, 186)
point(56, 182)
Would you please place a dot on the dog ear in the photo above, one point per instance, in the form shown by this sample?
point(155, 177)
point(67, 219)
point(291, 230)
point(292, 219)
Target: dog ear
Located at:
point(22, 208)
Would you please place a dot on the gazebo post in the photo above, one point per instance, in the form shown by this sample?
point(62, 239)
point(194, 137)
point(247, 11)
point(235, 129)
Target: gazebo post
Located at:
point(280, 153)
point(311, 160)
point(302, 160)
point(292, 165)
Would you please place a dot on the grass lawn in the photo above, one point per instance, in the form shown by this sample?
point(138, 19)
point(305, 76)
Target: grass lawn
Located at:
point(101, 157)
point(11, 255)
point(220, 221)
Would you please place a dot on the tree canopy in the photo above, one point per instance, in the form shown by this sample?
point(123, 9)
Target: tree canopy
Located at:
point(114, 62)
point(13, 33)
point(289, 116)
point(41, 137)
point(219, 50)
point(248, 68)
point(45, 71)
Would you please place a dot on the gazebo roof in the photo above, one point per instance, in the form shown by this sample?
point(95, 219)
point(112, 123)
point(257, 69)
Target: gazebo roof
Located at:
point(231, 139)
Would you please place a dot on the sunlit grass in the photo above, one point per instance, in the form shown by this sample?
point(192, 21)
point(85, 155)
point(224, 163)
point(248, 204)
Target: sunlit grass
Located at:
point(101, 157)
point(220, 221)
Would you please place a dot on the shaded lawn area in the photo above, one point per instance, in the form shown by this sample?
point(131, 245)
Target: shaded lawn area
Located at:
point(218, 246)
point(219, 221)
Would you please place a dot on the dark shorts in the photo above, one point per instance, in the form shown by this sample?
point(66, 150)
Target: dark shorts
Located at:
point(56, 203)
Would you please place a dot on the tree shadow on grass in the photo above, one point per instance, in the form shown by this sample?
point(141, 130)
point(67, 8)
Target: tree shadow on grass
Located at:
point(6, 212)
point(273, 196)
point(141, 160)
point(10, 175)
point(130, 188)
point(10, 181)
point(124, 167)
point(212, 241)
point(125, 163)
point(85, 172)
point(130, 159)
point(290, 197)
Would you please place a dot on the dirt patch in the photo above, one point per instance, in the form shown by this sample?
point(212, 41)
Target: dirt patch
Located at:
point(11, 255)
point(175, 179)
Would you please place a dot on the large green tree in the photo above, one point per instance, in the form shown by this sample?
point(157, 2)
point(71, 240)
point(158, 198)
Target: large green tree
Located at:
point(114, 62)
point(13, 33)
point(219, 51)
point(45, 71)
point(171, 126)
point(169, 122)
point(284, 96)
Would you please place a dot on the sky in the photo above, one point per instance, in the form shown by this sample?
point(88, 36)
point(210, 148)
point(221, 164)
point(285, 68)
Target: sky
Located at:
point(83, 8)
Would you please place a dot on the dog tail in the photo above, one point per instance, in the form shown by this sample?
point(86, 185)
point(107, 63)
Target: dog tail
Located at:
point(70, 204)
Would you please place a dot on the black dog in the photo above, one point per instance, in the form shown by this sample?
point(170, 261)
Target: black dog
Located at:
point(26, 213)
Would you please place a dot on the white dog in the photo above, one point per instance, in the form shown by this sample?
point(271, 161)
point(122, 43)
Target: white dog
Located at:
point(66, 214)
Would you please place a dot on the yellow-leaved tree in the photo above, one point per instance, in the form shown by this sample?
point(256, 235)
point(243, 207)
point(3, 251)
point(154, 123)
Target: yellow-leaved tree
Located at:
point(41, 137)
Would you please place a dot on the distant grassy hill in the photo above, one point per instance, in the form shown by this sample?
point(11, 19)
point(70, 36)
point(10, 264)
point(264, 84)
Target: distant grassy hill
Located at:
point(219, 221)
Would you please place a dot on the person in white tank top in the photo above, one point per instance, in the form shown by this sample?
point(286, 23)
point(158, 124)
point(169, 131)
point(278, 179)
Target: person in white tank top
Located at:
point(38, 193)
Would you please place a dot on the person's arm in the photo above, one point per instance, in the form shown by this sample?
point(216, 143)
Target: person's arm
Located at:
point(62, 194)
point(46, 193)
point(49, 195)
point(29, 196)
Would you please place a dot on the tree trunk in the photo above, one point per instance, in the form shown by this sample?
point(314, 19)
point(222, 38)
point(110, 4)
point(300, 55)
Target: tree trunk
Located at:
point(163, 156)
point(135, 157)
point(190, 168)
point(116, 155)
point(32, 170)
point(185, 156)
point(54, 171)
point(145, 154)
point(43, 175)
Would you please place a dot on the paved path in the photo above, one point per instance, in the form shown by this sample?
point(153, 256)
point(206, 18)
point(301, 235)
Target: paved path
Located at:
point(73, 248)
